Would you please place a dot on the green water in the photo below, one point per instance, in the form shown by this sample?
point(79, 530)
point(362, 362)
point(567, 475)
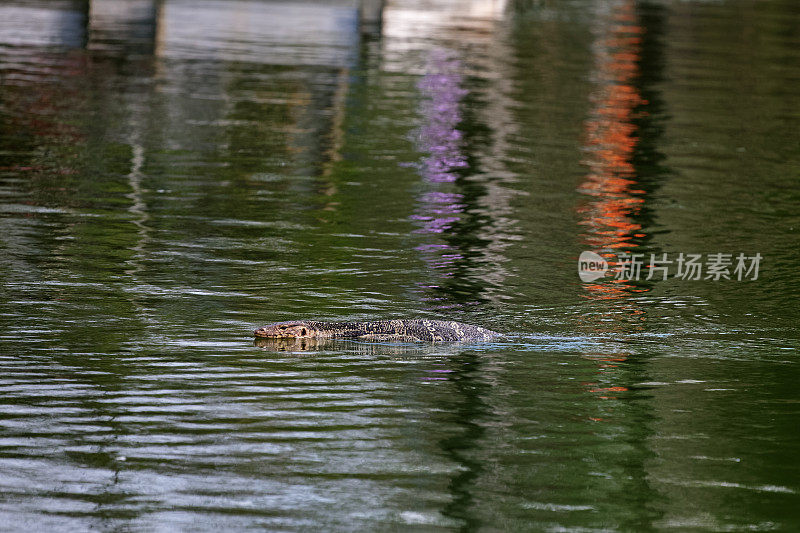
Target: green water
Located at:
point(174, 174)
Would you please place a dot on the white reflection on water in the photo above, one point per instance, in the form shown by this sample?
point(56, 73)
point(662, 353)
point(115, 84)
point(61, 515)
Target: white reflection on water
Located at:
point(277, 33)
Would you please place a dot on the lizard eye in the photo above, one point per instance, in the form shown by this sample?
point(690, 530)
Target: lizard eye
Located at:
point(303, 331)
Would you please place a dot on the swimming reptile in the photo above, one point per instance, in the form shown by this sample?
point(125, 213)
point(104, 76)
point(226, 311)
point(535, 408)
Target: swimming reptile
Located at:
point(380, 330)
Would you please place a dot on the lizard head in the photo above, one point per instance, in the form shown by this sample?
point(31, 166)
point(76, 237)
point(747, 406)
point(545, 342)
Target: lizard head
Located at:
point(294, 329)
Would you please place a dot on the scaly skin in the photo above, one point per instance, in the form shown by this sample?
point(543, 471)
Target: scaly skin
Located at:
point(402, 330)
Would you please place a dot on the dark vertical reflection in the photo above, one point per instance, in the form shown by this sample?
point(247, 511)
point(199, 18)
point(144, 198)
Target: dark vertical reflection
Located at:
point(469, 411)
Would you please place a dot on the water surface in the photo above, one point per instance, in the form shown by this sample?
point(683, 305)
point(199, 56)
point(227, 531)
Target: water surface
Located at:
point(175, 173)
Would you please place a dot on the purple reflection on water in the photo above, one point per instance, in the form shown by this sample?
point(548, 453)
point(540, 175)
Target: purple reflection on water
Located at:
point(441, 141)
point(440, 136)
point(447, 202)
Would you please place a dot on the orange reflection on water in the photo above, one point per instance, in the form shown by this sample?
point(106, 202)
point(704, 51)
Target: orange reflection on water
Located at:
point(613, 197)
point(610, 143)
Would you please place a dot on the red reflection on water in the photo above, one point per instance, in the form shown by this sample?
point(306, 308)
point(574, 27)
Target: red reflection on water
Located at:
point(613, 197)
point(38, 103)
